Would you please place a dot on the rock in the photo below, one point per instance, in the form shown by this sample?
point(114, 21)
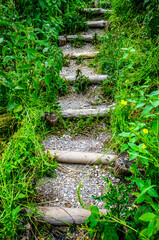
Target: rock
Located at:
point(122, 166)
point(62, 41)
point(50, 118)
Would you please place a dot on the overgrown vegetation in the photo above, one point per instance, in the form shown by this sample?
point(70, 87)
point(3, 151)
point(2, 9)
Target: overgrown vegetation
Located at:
point(30, 83)
point(129, 55)
point(29, 86)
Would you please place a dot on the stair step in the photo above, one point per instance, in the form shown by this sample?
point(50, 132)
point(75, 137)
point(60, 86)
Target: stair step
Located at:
point(85, 55)
point(62, 216)
point(75, 113)
point(92, 78)
point(86, 38)
point(97, 10)
point(87, 158)
point(98, 24)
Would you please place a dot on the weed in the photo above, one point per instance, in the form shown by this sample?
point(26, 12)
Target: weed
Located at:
point(78, 42)
point(66, 61)
point(95, 39)
point(79, 60)
point(81, 82)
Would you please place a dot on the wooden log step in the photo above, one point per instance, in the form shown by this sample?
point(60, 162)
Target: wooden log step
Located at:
point(85, 38)
point(97, 10)
point(62, 216)
point(75, 113)
point(94, 79)
point(86, 158)
point(85, 55)
point(98, 24)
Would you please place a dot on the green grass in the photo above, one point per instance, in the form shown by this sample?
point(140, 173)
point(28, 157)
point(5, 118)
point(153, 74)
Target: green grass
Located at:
point(30, 85)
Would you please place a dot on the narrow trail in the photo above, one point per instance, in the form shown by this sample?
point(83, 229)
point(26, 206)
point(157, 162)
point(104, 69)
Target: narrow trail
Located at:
point(82, 158)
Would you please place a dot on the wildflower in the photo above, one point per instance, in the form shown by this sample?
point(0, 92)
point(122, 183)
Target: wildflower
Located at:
point(123, 102)
point(145, 130)
point(143, 146)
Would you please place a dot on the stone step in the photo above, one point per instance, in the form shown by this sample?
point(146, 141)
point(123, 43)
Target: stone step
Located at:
point(85, 55)
point(97, 10)
point(86, 112)
point(98, 24)
point(62, 216)
point(93, 79)
point(87, 158)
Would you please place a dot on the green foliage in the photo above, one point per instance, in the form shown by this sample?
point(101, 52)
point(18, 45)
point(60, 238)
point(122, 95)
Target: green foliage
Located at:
point(31, 65)
point(129, 56)
point(100, 227)
point(79, 60)
point(81, 82)
point(23, 162)
point(144, 11)
point(143, 136)
point(78, 42)
point(119, 213)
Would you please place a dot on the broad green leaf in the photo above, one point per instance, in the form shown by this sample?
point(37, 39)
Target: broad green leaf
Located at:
point(94, 209)
point(124, 147)
point(20, 87)
point(133, 155)
point(152, 193)
point(147, 110)
point(1, 40)
point(140, 105)
point(155, 103)
point(146, 217)
point(21, 195)
point(11, 106)
point(16, 211)
point(139, 182)
point(133, 146)
point(48, 79)
point(154, 93)
point(144, 159)
point(151, 227)
point(8, 83)
point(18, 108)
point(139, 198)
point(126, 134)
point(93, 221)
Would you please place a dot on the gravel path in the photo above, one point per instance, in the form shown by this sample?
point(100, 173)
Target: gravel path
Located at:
point(62, 190)
point(71, 70)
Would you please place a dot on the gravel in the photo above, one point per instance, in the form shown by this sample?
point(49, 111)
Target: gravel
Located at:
point(71, 70)
point(79, 143)
point(62, 190)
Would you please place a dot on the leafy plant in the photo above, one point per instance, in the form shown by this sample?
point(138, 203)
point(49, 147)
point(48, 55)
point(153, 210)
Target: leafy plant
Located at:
point(79, 60)
point(81, 82)
point(78, 42)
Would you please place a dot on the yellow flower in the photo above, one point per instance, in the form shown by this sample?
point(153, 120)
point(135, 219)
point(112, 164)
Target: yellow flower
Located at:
point(145, 131)
point(143, 146)
point(123, 102)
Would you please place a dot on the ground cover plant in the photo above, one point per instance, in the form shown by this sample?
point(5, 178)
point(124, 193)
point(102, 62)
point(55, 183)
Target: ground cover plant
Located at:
point(29, 85)
point(129, 56)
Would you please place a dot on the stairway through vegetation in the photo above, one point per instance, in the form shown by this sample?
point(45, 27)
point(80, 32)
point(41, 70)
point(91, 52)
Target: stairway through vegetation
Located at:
point(79, 120)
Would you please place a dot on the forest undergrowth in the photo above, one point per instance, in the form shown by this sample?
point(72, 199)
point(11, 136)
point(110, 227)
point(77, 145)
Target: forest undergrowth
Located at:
point(30, 84)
